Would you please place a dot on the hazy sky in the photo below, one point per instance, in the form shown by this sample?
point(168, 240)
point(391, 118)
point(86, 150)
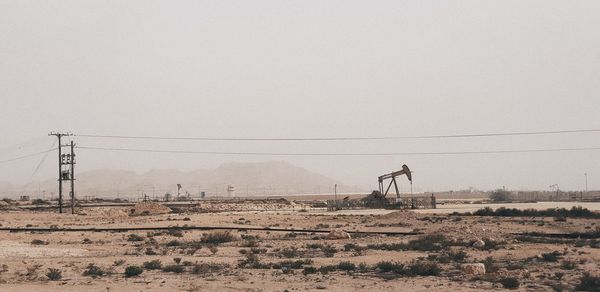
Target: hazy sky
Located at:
point(305, 69)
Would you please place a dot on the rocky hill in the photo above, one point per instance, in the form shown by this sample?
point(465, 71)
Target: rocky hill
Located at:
point(252, 179)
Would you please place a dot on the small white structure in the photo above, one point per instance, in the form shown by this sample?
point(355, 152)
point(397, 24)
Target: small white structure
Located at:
point(231, 190)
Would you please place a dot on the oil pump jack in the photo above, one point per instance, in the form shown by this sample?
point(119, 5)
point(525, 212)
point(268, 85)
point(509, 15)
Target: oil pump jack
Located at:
point(405, 170)
point(377, 199)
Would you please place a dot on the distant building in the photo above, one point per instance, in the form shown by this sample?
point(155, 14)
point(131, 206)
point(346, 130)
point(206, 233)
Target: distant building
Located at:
point(231, 190)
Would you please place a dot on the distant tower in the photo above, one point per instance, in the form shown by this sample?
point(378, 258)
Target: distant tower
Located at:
point(231, 190)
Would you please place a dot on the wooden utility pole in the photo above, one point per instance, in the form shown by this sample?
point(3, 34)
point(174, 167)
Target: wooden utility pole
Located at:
point(60, 164)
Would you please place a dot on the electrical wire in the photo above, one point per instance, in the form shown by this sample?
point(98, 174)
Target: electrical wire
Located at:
point(42, 161)
point(31, 142)
point(343, 138)
point(26, 156)
point(339, 154)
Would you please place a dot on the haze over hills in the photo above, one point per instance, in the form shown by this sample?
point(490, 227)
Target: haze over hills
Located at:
point(253, 179)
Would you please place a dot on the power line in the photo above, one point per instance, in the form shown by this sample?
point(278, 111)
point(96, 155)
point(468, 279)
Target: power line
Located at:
point(42, 161)
point(26, 156)
point(30, 142)
point(343, 138)
point(340, 154)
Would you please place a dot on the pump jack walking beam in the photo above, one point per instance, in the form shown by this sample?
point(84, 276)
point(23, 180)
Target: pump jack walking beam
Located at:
point(405, 171)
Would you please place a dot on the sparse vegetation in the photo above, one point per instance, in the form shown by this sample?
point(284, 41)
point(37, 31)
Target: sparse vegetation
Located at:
point(510, 282)
point(94, 271)
point(205, 268)
point(174, 269)
point(574, 212)
point(424, 268)
point(54, 274)
point(568, 265)
point(314, 245)
point(132, 271)
point(588, 282)
point(551, 256)
point(386, 267)
point(218, 237)
point(153, 265)
point(289, 252)
point(447, 248)
point(329, 250)
point(288, 264)
point(490, 267)
point(309, 270)
point(346, 266)
point(38, 242)
point(252, 262)
point(135, 237)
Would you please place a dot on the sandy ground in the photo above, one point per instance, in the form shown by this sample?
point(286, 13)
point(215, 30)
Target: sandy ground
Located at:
point(23, 265)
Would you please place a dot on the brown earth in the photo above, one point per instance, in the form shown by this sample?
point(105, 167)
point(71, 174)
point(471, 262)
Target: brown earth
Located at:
point(212, 266)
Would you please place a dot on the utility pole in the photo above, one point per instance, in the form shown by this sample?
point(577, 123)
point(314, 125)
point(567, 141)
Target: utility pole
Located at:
point(72, 177)
point(335, 192)
point(60, 164)
point(586, 187)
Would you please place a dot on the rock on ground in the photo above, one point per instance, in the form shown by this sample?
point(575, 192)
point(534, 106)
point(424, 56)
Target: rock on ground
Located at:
point(478, 243)
point(338, 234)
point(474, 269)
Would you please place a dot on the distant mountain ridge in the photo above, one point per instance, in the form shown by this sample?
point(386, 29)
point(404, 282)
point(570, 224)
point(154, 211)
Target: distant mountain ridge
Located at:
point(250, 179)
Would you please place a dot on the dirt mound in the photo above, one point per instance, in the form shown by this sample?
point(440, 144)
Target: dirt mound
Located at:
point(468, 233)
point(149, 208)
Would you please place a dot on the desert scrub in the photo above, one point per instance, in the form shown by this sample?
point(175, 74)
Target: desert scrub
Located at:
point(94, 271)
point(346, 266)
point(54, 274)
point(551, 256)
point(452, 256)
point(39, 242)
point(174, 269)
point(289, 264)
point(421, 268)
point(314, 245)
point(568, 265)
point(309, 270)
point(249, 243)
point(387, 266)
point(218, 237)
point(588, 283)
point(510, 282)
point(174, 242)
point(289, 252)
point(329, 250)
point(206, 268)
point(326, 269)
point(132, 271)
point(135, 237)
point(252, 262)
point(153, 265)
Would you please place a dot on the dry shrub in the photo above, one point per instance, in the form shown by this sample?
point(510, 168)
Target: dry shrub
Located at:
point(218, 237)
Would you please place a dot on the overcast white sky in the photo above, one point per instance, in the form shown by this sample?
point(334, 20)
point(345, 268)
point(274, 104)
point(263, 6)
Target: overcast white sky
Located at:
point(305, 69)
